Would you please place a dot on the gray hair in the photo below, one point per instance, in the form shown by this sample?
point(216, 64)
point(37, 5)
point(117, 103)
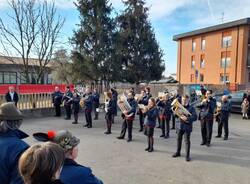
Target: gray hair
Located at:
point(6, 125)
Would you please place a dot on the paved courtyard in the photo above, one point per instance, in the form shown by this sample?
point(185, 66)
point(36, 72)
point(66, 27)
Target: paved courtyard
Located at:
point(116, 161)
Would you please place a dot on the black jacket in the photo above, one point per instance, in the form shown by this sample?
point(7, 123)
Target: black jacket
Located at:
point(15, 98)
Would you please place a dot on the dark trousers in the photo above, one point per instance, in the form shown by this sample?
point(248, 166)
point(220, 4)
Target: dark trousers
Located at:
point(58, 110)
point(187, 135)
point(109, 118)
point(95, 111)
point(127, 124)
point(173, 121)
point(76, 116)
point(68, 111)
point(221, 124)
point(88, 118)
point(165, 126)
point(141, 119)
point(206, 130)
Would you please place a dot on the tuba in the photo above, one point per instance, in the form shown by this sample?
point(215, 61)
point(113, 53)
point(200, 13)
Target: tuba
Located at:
point(124, 105)
point(179, 110)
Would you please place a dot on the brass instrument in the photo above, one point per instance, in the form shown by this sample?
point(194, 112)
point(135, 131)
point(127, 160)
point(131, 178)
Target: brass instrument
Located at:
point(138, 97)
point(124, 105)
point(161, 96)
point(179, 110)
point(106, 101)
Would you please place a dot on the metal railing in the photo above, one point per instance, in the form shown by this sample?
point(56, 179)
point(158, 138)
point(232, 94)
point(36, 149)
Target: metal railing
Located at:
point(32, 101)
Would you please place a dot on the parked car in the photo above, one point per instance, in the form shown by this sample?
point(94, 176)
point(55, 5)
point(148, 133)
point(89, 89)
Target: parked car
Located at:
point(236, 100)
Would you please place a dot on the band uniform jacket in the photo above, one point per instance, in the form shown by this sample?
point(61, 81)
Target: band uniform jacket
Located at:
point(188, 125)
point(68, 98)
point(152, 115)
point(57, 98)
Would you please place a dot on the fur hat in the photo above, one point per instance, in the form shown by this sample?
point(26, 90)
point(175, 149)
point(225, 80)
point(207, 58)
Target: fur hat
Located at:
point(8, 111)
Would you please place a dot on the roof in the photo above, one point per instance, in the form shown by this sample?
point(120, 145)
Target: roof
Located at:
point(164, 81)
point(18, 61)
point(245, 21)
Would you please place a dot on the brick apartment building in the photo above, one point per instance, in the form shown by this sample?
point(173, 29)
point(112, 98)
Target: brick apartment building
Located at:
point(215, 55)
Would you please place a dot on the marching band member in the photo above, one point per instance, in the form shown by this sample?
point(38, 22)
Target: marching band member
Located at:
point(67, 100)
point(165, 113)
point(206, 117)
point(114, 97)
point(151, 113)
point(96, 102)
point(57, 101)
point(76, 106)
point(142, 100)
point(225, 111)
point(184, 126)
point(110, 109)
point(88, 105)
point(128, 118)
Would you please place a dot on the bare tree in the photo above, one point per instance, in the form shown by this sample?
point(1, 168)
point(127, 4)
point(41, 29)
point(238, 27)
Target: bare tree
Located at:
point(62, 67)
point(33, 32)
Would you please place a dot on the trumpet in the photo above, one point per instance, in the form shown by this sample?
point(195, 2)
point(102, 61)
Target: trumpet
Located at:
point(179, 110)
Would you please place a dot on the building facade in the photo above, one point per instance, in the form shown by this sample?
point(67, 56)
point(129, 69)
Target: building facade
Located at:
point(215, 55)
point(12, 72)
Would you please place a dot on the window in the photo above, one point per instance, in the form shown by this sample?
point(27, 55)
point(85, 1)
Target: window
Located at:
point(193, 62)
point(192, 78)
point(202, 61)
point(203, 44)
point(9, 78)
point(201, 78)
point(193, 45)
point(225, 59)
point(226, 39)
point(222, 77)
point(1, 77)
point(49, 81)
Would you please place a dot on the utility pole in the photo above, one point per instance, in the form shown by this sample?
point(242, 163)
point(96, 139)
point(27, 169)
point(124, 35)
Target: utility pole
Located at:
point(225, 64)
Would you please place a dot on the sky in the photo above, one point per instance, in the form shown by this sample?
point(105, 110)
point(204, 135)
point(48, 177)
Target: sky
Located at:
point(168, 18)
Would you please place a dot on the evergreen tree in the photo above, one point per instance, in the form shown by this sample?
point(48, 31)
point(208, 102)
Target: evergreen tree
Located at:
point(92, 56)
point(139, 51)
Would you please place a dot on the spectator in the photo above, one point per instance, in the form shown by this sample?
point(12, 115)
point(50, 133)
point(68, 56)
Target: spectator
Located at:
point(11, 143)
point(42, 164)
point(57, 101)
point(12, 96)
point(245, 107)
point(72, 172)
point(193, 96)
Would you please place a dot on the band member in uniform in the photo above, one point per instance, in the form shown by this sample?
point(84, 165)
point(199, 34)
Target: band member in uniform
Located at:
point(184, 126)
point(88, 105)
point(151, 113)
point(76, 106)
point(128, 119)
point(67, 100)
point(225, 111)
point(114, 97)
point(110, 109)
point(12, 95)
point(206, 117)
point(165, 113)
point(96, 102)
point(142, 100)
point(57, 101)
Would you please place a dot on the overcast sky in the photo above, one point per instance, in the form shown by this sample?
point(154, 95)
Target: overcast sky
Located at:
point(168, 17)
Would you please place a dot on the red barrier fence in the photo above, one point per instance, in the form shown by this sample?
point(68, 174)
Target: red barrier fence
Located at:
point(34, 88)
